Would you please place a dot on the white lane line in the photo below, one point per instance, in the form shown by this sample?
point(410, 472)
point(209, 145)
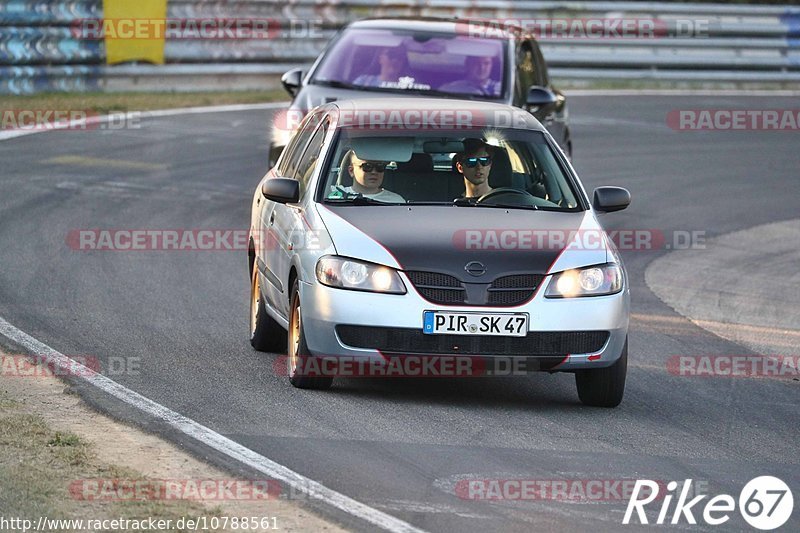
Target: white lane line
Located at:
point(208, 437)
point(120, 117)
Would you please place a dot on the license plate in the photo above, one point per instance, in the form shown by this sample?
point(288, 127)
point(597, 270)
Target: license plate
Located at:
point(497, 324)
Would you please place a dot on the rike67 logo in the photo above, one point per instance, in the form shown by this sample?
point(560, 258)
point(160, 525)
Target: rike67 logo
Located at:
point(765, 503)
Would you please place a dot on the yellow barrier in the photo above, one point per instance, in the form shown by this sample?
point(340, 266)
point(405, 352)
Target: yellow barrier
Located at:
point(128, 30)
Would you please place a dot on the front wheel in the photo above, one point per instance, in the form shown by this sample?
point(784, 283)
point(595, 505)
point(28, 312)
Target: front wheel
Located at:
point(603, 387)
point(299, 354)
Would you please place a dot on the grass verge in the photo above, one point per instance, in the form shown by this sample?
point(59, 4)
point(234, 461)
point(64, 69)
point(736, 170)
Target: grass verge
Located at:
point(117, 102)
point(38, 466)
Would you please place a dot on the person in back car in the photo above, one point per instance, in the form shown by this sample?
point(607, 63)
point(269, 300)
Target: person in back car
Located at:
point(479, 78)
point(393, 63)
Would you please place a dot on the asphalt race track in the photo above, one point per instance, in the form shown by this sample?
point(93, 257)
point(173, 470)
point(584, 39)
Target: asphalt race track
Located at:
point(402, 446)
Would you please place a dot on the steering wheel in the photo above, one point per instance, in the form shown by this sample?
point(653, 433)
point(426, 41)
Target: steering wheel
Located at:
point(501, 191)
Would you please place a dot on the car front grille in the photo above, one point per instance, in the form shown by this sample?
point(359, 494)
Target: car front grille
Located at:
point(443, 296)
point(414, 341)
point(505, 291)
point(433, 279)
point(513, 290)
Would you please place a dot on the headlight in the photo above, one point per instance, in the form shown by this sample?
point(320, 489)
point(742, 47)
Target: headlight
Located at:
point(591, 281)
point(344, 273)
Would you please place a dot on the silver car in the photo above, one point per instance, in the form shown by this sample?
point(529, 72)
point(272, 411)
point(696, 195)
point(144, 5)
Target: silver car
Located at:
point(401, 229)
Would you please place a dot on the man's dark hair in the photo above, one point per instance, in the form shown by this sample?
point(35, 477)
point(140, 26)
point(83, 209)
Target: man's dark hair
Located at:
point(473, 146)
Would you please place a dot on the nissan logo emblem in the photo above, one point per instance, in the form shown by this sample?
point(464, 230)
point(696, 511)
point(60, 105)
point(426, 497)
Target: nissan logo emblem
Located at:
point(475, 268)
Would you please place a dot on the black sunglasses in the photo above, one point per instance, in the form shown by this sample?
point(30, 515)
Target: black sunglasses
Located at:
point(472, 162)
point(377, 167)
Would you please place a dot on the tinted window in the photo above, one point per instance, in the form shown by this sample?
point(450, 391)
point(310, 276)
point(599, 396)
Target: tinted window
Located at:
point(287, 166)
point(405, 60)
point(306, 165)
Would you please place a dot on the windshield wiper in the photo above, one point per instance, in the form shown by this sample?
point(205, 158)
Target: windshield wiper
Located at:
point(337, 84)
point(531, 207)
point(464, 202)
point(358, 199)
point(473, 202)
point(558, 208)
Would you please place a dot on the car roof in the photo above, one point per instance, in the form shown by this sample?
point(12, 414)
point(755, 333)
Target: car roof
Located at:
point(499, 29)
point(472, 112)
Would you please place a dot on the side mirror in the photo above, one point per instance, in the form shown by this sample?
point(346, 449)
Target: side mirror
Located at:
point(281, 190)
point(610, 199)
point(292, 81)
point(539, 97)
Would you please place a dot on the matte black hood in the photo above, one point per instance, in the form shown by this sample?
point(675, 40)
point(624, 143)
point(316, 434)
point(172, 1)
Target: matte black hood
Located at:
point(445, 239)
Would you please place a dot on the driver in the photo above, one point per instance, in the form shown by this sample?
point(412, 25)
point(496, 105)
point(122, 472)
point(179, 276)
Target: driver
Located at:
point(478, 78)
point(475, 164)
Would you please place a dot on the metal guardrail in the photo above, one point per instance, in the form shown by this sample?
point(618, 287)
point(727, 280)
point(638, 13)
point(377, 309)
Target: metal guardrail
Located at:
point(40, 51)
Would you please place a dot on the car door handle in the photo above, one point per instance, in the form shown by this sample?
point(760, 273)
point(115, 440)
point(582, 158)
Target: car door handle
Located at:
point(272, 220)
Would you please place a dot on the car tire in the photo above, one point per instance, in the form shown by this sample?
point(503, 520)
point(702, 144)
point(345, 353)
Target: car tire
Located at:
point(266, 334)
point(603, 387)
point(298, 349)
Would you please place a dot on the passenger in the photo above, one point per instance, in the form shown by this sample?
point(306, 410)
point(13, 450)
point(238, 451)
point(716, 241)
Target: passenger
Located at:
point(368, 179)
point(479, 78)
point(475, 164)
point(393, 63)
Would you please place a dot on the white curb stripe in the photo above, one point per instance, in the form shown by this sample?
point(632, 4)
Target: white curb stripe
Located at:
point(206, 436)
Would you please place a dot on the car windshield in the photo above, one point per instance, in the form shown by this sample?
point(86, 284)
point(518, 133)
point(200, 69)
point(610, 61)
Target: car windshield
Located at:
point(401, 167)
point(416, 61)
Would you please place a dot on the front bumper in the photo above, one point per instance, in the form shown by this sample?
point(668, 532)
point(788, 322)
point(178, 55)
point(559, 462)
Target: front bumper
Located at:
point(325, 308)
